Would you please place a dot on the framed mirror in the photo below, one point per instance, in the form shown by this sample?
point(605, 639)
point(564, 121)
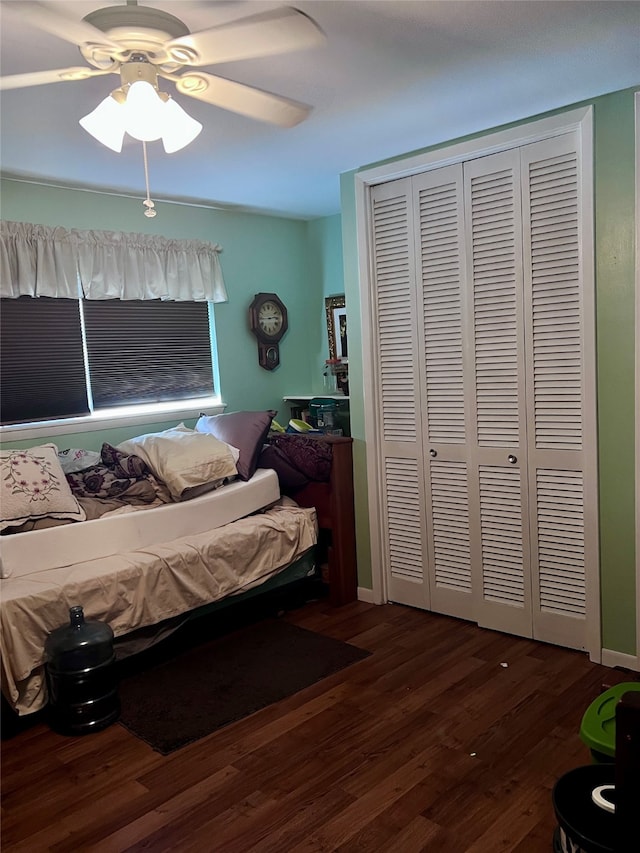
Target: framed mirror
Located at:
point(337, 327)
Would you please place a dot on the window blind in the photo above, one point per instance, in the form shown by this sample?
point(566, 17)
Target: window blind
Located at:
point(147, 351)
point(41, 360)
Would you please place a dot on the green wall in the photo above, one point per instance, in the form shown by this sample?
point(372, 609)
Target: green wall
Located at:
point(615, 276)
point(324, 241)
point(615, 231)
point(260, 253)
point(93, 439)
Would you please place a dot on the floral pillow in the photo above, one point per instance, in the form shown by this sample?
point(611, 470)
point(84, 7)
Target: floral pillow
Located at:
point(115, 473)
point(75, 459)
point(34, 486)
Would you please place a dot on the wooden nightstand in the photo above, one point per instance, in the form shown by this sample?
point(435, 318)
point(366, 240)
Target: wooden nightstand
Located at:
point(336, 516)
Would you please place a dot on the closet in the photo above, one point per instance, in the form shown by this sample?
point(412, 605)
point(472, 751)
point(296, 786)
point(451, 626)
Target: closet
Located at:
point(483, 378)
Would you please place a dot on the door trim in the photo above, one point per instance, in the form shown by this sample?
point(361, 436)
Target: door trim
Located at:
point(580, 120)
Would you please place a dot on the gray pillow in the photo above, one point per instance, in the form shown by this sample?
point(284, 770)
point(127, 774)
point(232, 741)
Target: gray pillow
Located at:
point(247, 431)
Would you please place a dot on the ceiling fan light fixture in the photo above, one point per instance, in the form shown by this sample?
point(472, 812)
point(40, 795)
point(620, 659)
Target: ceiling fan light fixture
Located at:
point(180, 128)
point(106, 123)
point(143, 112)
point(144, 116)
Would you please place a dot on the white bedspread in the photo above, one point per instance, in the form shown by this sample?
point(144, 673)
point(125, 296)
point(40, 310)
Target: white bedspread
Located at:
point(140, 588)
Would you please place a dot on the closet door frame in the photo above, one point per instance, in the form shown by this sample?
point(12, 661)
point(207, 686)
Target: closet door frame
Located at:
point(579, 120)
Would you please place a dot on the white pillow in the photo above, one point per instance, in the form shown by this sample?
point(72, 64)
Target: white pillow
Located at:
point(183, 458)
point(33, 486)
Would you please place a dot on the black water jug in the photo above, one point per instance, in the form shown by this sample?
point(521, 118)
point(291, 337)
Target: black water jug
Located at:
point(81, 679)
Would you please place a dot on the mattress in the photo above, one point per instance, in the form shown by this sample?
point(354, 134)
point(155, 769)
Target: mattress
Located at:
point(42, 550)
point(141, 588)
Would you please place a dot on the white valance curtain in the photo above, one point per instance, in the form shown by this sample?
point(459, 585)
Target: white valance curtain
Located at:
point(37, 260)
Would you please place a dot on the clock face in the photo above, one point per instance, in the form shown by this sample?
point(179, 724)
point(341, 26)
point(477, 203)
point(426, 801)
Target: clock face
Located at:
point(270, 318)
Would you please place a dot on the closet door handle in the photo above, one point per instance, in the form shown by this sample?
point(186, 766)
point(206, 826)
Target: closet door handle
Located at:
point(433, 453)
point(512, 459)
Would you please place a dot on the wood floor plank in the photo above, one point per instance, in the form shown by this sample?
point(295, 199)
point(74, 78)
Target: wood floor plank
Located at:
point(414, 837)
point(341, 828)
point(299, 818)
point(429, 744)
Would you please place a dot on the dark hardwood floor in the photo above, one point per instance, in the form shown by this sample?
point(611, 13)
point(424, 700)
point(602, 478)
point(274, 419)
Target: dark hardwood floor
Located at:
point(428, 744)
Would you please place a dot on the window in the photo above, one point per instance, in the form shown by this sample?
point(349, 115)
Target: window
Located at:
point(138, 335)
point(41, 360)
point(133, 352)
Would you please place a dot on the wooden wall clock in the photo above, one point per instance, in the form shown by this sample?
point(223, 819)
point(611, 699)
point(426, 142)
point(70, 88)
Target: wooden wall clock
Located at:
point(268, 322)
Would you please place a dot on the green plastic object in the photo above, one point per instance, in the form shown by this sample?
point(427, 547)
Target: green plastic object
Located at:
point(598, 727)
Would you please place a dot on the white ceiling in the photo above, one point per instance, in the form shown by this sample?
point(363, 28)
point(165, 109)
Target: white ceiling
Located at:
point(393, 77)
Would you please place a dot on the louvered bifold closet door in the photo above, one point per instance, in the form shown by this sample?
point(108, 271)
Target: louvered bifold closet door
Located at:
point(440, 270)
point(496, 385)
point(560, 402)
point(394, 329)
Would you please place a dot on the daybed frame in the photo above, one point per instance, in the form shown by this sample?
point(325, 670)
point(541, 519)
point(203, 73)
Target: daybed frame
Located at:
point(333, 502)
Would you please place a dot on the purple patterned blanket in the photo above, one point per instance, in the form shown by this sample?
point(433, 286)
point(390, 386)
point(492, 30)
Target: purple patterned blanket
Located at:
point(297, 460)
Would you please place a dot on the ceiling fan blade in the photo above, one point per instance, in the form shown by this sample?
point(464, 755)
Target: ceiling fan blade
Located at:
point(264, 34)
point(242, 99)
point(57, 75)
point(58, 23)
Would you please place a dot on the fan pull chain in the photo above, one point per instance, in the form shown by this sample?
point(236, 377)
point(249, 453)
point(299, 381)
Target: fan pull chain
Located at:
point(150, 211)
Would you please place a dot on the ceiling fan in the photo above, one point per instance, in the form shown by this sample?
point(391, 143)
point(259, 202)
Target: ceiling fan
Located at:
point(142, 43)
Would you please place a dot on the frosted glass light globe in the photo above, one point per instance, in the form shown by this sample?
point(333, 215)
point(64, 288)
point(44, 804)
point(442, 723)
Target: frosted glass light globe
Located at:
point(144, 112)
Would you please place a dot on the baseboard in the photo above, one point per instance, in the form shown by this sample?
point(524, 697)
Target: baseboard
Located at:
point(366, 595)
point(613, 658)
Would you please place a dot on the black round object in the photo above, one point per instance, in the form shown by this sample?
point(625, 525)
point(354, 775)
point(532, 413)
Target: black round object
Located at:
point(584, 823)
point(80, 673)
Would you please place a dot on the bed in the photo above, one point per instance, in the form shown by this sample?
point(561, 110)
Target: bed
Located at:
point(138, 566)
